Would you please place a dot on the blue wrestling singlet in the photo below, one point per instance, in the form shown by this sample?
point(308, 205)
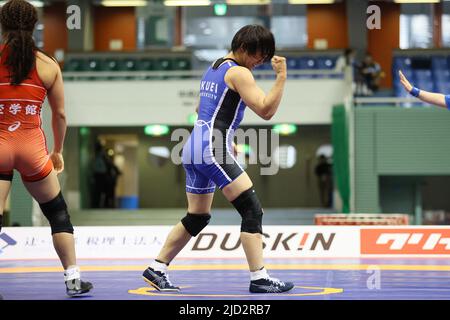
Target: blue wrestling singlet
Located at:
point(208, 154)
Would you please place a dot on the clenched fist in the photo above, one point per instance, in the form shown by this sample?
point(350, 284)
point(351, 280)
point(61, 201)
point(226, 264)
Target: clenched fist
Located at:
point(279, 65)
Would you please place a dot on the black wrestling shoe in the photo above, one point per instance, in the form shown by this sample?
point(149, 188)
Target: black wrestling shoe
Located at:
point(77, 287)
point(270, 285)
point(158, 280)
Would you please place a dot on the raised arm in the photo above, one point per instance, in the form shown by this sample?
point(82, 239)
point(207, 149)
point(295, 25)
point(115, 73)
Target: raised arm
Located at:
point(264, 105)
point(437, 99)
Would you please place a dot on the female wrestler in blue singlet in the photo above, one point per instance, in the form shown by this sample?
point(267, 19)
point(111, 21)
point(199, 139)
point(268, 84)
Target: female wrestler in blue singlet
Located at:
point(226, 89)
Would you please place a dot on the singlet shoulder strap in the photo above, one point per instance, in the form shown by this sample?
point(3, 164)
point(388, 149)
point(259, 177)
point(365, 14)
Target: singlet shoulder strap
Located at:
point(222, 60)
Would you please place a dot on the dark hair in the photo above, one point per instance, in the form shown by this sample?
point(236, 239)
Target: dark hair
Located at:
point(18, 19)
point(254, 39)
point(347, 54)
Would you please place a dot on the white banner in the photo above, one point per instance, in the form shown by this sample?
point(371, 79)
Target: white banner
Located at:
point(223, 242)
point(213, 242)
point(170, 102)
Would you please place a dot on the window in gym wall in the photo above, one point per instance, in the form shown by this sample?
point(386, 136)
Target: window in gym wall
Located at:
point(39, 35)
point(214, 32)
point(446, 30)
point(446, 25)
point(289, 17)
point(158, 31)
point(140, 33)
point(203, 29)
point(297, 39)
point(416, 30)
point(155, 23)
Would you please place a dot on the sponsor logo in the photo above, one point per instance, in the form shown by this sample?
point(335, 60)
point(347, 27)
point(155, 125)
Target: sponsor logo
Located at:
point(5, 241)
point(14, 126)
point(279, 241)
point(405, 241)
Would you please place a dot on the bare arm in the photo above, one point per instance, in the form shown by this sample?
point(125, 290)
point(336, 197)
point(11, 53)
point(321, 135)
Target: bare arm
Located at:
point(242, 81)
point(56, 100)
point(55, 96)
point(437, 99)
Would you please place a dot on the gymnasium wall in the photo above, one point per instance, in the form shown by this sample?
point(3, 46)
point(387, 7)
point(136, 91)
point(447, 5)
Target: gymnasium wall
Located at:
point(397, 142)
point(54, 17)
point(328, 22)
point(114, 24)
point(382, 42)
point(336, 23)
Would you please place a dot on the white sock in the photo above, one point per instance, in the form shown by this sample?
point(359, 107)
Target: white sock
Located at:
point(158, 266)
point(71, 273)
point(260, 274)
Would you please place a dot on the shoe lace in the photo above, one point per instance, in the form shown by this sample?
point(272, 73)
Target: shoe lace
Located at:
point(165, 279)
point(276, 281)
point(166, 276)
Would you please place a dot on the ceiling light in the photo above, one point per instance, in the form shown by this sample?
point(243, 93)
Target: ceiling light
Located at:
point(417, 1)
point(183, 3)
point(123, 3)
point(248, 2)
point(311, 1)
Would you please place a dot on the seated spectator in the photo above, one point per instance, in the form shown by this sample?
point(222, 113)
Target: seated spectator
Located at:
point(372, 74)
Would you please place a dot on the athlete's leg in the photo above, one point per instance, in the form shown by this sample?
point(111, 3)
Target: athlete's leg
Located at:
point(5, 186)
point(241, 194)
point(200, 193)
point(199, 205)
point(251, 242)
point(45, 191)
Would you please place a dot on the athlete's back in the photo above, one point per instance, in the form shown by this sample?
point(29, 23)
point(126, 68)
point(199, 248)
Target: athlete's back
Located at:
point(22, 140)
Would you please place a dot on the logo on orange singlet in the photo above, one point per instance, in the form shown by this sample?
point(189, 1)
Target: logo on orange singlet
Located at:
point(405, 241)
point(14, 126)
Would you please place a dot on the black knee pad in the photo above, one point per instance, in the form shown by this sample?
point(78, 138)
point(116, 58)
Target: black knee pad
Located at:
point(194, 223)
point(56, 213)
point(1, 222)
point(249, 207)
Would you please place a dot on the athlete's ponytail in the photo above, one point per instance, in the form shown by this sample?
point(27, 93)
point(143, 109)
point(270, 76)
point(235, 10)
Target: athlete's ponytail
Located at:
point(18, 19)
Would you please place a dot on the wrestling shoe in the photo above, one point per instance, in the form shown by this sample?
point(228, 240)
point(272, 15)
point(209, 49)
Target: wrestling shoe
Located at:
point(74, 285)
point(77, 287)
point(269, 285)
point(158, 280)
